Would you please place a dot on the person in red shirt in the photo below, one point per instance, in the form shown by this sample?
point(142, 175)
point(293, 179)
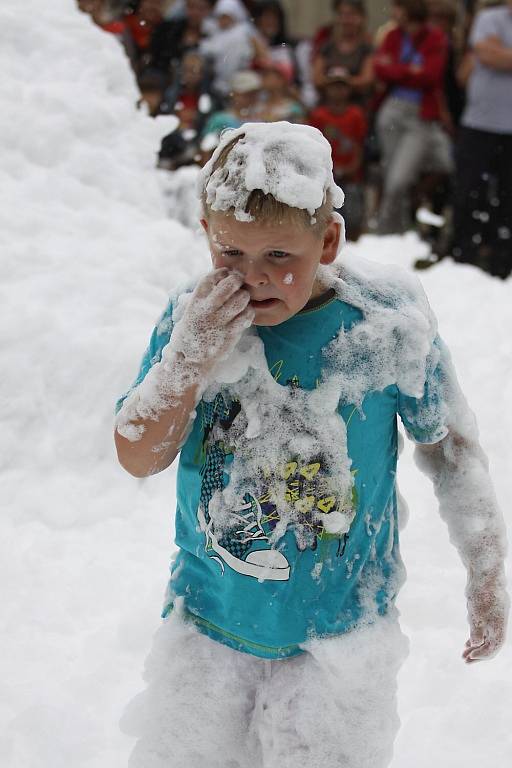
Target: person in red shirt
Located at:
point(141, 21)
point(410, 64)
point(344, 125)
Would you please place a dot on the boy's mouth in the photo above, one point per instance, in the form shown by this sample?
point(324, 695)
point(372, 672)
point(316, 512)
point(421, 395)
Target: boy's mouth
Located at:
point(263, 303)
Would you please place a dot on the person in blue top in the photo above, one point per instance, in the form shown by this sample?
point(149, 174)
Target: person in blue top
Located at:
point(278, 378)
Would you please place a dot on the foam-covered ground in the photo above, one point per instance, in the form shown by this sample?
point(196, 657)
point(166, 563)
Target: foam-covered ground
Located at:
point(88, 254)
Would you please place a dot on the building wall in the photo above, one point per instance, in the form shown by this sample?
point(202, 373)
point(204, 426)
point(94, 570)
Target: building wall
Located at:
point(304, 16)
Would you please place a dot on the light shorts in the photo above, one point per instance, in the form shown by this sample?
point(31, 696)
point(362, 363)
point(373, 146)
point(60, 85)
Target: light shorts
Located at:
point(208, 706)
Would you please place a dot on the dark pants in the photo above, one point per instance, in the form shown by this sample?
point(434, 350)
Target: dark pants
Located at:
point(353, 210)
point(483, 200)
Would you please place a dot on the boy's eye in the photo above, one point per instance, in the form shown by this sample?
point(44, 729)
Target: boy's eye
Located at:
point(232, 252)
point(278, 254)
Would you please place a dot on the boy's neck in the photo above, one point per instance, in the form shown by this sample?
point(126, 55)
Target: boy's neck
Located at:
point(337, 109)
point(317, 301)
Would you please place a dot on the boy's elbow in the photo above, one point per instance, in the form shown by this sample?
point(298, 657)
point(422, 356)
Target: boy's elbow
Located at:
point(126, 457)
point(138, 461)
point(135, 470)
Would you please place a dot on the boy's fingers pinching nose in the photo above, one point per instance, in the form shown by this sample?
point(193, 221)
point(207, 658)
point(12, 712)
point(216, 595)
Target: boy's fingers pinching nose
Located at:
point(226, 287)
point(234, 305)
point(208, 283)
point(243, 320)
point(219, 274)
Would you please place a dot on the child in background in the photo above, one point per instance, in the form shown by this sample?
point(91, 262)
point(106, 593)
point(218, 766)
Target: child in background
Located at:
point(344, 126)
point(191, 89)
point(233, 46)
point(279, 376)
point(277, 102)
point(243, 104)
point(270, 24)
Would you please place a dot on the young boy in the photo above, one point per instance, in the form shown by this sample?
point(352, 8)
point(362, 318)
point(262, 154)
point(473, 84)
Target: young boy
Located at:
point(345, 127)
point(279, 378)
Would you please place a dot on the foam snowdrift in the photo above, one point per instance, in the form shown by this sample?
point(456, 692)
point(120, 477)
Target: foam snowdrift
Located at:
point(88, 257)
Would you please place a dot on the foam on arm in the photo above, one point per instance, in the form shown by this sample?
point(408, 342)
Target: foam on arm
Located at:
point(458, 468)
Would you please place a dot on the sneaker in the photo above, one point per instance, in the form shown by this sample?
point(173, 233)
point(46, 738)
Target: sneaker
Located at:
point(246, 547)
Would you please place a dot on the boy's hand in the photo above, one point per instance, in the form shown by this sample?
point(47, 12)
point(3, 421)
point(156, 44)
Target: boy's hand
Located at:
point(487, 614)
point(214, 319)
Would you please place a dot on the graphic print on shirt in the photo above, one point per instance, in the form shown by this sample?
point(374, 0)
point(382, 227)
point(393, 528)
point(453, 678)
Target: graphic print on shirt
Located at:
point(245, 543)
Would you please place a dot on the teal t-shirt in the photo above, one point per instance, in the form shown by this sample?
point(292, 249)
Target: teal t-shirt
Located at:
point(267, 600)
point(220, 121)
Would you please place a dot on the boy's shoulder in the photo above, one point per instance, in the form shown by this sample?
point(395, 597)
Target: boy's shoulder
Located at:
point(371, 285)
point(394, 342)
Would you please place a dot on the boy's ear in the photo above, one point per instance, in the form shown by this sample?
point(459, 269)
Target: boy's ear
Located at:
point(331, 244)
point(204, 224)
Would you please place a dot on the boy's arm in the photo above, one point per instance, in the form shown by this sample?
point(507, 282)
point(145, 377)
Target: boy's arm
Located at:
point(153, 421)
point(448, 451)
point(458, 469)
point(153, 443)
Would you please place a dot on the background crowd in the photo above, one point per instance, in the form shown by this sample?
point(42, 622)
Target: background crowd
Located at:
point(418, 115)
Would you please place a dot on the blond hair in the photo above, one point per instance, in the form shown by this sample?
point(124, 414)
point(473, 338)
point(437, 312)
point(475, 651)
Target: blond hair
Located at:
point(264, 207)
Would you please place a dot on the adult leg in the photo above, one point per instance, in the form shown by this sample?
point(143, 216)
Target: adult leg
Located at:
point(501, 209)
point(402, 168)
point(198, 704)
point(389, 126)
point(437, 187)
point(440, 151)
point(353, 209)
point(474, 152)
point(336, 704)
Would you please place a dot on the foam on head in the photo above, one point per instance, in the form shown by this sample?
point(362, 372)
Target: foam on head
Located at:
point(261, 162)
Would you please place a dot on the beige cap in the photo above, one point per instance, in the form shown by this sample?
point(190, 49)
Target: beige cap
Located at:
point(245, 81)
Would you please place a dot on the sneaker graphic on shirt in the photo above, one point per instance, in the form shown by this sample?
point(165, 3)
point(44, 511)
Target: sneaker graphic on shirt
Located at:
point(246, 547)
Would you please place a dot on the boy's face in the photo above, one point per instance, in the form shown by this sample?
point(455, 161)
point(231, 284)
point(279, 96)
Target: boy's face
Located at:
point(244, 100)
point(197, 11)
point(268, 23)
point(273, 81)
point(191, 71)
point(337, 92)
point(278, 262)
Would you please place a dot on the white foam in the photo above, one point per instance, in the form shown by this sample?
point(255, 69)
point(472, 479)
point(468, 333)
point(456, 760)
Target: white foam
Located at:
point(291, 162)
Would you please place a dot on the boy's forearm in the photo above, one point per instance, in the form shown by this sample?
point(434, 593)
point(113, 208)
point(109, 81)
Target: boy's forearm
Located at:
point(160, 441)
point(458, 469)
point(155, 417)
point(154, 421)
point(467, 502)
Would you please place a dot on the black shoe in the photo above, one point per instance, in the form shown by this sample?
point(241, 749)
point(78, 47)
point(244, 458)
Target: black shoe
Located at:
point(500, 266)
point(428, 261)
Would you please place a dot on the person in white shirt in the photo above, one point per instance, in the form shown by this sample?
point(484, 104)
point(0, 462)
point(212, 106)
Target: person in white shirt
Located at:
point(483, 194)
point(233, 46)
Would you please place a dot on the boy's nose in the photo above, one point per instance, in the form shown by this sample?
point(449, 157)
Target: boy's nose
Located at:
point(254, 276)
